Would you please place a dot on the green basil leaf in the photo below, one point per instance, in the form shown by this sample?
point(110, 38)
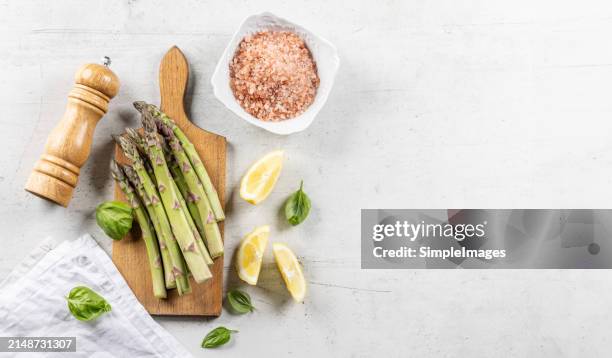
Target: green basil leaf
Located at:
point(217, 337)
point(297, 207)
point(239, 301)
point(85, 304)
point(114, 218)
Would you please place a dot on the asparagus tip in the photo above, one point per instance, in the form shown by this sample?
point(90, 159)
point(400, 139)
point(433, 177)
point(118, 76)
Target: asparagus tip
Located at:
point(130, 172)
point(116, 138)
point(148, 123)
point(115, 170)
point(132, 132)
point(140, 106)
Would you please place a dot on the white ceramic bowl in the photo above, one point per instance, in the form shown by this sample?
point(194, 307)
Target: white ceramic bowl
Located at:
point(323, 52)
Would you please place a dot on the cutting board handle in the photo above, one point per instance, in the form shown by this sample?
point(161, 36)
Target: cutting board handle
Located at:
point(173, 78)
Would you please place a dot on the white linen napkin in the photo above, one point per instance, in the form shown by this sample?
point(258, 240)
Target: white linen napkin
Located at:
point(33, 304)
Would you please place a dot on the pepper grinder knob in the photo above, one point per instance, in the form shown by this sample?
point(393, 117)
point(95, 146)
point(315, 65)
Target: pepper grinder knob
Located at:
point(56, 174)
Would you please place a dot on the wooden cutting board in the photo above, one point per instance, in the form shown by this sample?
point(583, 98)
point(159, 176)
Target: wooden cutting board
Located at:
point(129, 254)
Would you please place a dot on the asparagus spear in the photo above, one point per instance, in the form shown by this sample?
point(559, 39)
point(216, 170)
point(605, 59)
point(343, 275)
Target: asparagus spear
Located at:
point(170, 199)
point(171, 163)
point(192, 226)
point(165, 254)
point(179, 268)
point(148, 235)
point(179, 180)
point(196, 195)
point(189, 209)
point(194, 158)
point(177, 175)
point(138, 141)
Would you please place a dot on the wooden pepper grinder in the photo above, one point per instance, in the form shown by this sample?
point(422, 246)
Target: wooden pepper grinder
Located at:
point(56, 174)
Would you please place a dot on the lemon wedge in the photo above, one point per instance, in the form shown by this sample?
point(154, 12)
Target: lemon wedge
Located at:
point(291, 270)
point(250, 254)
point(261, 177)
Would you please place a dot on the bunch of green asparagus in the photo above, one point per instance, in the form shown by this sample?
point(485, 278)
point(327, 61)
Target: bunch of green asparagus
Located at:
point(174, 201)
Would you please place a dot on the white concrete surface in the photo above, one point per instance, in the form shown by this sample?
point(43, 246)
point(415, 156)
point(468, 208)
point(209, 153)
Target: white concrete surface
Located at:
point(494, 104)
